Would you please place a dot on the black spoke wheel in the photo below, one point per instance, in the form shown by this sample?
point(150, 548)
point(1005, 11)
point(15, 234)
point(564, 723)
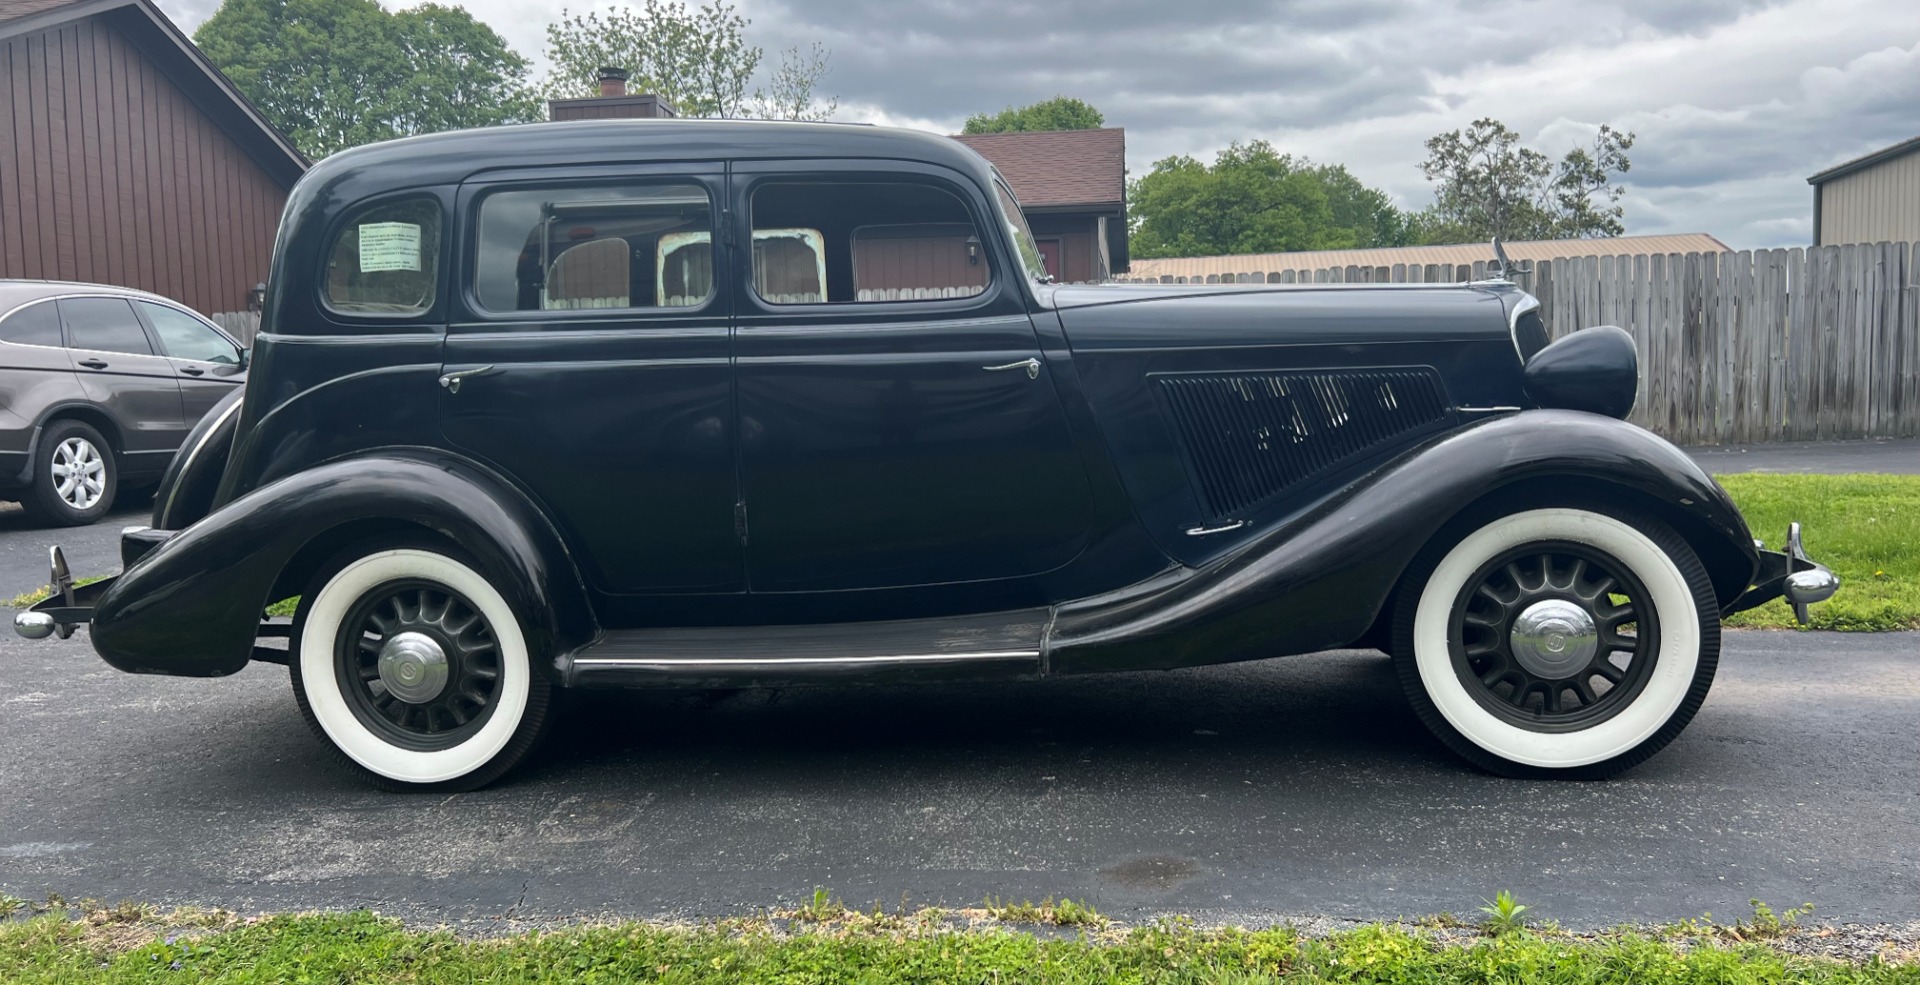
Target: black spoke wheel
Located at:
point(1554, 636)
point(418, 665)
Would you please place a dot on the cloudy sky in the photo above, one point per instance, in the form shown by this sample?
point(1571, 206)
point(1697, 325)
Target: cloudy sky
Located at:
point(1734, 102)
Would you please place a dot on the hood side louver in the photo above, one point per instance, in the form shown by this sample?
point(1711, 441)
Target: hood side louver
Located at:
point(1251, 436)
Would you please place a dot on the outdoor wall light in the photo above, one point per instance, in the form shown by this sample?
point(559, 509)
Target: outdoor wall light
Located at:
point(973, 251)
point(257, 298)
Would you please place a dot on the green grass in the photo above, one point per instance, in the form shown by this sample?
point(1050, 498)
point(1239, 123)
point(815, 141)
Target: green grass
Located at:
point(124, 945)
point(1865, 527)
point(40, 594)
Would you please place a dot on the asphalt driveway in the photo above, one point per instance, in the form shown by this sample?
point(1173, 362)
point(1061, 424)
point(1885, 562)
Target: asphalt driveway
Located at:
point(1238, 793)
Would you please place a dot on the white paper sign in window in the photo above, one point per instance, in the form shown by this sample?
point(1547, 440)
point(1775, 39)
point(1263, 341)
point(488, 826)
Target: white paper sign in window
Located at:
point(389, 246)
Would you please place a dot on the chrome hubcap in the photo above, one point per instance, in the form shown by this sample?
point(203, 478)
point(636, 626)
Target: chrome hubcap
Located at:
point(79, 473)
point(1554, 639)
point(413, 667)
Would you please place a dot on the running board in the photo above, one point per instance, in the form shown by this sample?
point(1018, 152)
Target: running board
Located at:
point(993, 645)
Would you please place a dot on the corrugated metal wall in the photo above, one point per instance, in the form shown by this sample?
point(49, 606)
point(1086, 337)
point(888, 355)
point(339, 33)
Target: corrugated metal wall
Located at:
point(110, 174)
point(1877, 204)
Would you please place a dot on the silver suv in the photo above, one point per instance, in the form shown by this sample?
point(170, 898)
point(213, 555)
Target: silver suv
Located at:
point(98, 387)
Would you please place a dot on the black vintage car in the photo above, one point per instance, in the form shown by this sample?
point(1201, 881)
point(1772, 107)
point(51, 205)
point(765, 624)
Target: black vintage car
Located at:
point(711, 404)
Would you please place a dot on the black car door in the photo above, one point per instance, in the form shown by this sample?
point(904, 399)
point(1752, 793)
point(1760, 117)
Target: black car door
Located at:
point(205, 361)
point(899, 426)
point(592, 367)
point(120, 371)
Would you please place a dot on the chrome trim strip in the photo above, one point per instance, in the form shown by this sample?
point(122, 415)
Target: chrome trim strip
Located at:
point(166, 509)
point(774, 663)
point(1203, 531)
point(1526, 303)
point(1486, 410)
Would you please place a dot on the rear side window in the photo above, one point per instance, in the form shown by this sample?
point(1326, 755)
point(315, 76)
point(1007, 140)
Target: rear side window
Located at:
point(833, 242)
point(35, 324)
point(386, 259)
point(104, 325)
point(595, 247)
point(187, 337)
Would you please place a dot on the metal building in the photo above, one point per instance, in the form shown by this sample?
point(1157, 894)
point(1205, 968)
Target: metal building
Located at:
point(1869, 199)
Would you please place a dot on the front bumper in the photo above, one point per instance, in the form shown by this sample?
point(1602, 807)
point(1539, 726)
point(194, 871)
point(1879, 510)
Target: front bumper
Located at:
point(70, 604)
point(1788, 574)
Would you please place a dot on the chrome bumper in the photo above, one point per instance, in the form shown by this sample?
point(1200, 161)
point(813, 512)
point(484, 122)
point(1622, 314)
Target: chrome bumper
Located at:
point(70, 605)
point(1788, 574)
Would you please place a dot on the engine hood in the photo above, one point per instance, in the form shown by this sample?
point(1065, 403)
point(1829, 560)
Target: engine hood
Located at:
point(1204, 315)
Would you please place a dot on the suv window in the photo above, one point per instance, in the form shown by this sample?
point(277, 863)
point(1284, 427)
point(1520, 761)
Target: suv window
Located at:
point(35, 324)
point(187, 337)
point(600, 246)
point(386, 259)
point(104, 325)
point(834, 242)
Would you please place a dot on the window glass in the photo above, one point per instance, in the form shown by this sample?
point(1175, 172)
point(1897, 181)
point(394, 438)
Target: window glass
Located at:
point(104, 325)
point(834, 242)
point(563, 249)
point(1030, 256)
point(35, 324)
point(386, 260)
point(187, 337)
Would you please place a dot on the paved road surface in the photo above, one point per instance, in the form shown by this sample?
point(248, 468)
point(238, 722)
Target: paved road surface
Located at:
point(1234, 793)
point(1819, 457)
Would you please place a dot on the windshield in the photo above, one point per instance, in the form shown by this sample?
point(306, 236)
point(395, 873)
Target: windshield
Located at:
point(1022, 236)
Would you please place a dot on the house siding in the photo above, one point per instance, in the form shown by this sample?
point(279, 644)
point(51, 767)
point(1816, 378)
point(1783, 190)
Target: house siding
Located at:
point(1880, 203)
point(109, 173)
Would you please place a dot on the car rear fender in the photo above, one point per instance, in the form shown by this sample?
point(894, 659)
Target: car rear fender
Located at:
point(1321, 578)
point(192, 605)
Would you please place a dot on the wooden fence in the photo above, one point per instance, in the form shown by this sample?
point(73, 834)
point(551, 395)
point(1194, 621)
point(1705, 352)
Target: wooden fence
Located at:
point(242, 325)
point(1760, 345)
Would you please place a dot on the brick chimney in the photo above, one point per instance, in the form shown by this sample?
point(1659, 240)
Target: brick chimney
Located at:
point(613, 103)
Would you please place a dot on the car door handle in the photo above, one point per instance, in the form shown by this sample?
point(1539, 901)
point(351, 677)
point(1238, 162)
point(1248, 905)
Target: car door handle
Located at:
point(452, 381)
point(1031, 365)
point(193, 371)
point(94, 363)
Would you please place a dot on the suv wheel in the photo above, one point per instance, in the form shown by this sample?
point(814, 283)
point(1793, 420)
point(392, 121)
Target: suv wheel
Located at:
point(415, 668)
point(74, 479)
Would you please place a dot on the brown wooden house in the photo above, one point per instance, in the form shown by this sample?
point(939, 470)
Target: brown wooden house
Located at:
point(1073, 187)
point(127, 158)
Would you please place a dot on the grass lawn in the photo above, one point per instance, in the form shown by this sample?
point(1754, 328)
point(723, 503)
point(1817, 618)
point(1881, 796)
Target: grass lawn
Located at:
point(1865, 527)
point(925, 947)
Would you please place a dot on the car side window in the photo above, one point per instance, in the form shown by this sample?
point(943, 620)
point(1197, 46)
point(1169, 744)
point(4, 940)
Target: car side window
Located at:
point(104, 325)
point(386, 259)
point(187, 337)
point(864, 241)
point(594, 246)
point(35, 324)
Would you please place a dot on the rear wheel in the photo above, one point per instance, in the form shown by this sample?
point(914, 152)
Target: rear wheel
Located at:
point(415, 669)
point(74, 478)
point(1557, 642)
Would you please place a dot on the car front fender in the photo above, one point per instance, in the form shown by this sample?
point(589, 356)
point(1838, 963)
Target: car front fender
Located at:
point(1321, 578)
point(192, 605)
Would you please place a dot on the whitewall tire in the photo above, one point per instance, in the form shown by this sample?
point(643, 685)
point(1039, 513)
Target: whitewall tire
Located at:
point(1557, 642)
point(415, 669)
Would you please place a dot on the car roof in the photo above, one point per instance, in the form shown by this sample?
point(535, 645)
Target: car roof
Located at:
point(16, 292)
point(453, 156)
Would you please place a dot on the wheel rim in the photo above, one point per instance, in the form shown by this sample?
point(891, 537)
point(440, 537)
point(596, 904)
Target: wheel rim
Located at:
point(1554, 637)
point(79, 473)
point(418, 665)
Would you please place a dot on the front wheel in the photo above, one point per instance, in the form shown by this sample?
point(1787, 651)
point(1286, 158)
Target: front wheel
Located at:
point(1557, 642)
point(74, 478)
point(414, 667)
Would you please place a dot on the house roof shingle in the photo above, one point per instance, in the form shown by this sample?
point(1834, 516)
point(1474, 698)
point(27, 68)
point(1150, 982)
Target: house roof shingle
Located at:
point(12, 9)
point(1058, 168)
point(1248, 263)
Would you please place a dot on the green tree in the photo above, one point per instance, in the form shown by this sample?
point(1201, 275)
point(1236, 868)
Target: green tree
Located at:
point(1253, 199)
point(1058, 113)
point(1489, 184)
point(697, 58)
point(332, 74)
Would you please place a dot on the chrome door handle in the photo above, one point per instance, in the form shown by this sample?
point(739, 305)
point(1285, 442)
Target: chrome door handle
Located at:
point(452, 380)
point(1031, 365)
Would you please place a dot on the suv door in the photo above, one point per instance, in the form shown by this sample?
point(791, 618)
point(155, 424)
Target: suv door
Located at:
point(592, 366)
point(119, 370)
point(899, 425)
point(206, 363)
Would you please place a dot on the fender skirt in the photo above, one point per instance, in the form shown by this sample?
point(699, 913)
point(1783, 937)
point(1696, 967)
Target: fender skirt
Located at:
point(1320, 578)
point(192, 606)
